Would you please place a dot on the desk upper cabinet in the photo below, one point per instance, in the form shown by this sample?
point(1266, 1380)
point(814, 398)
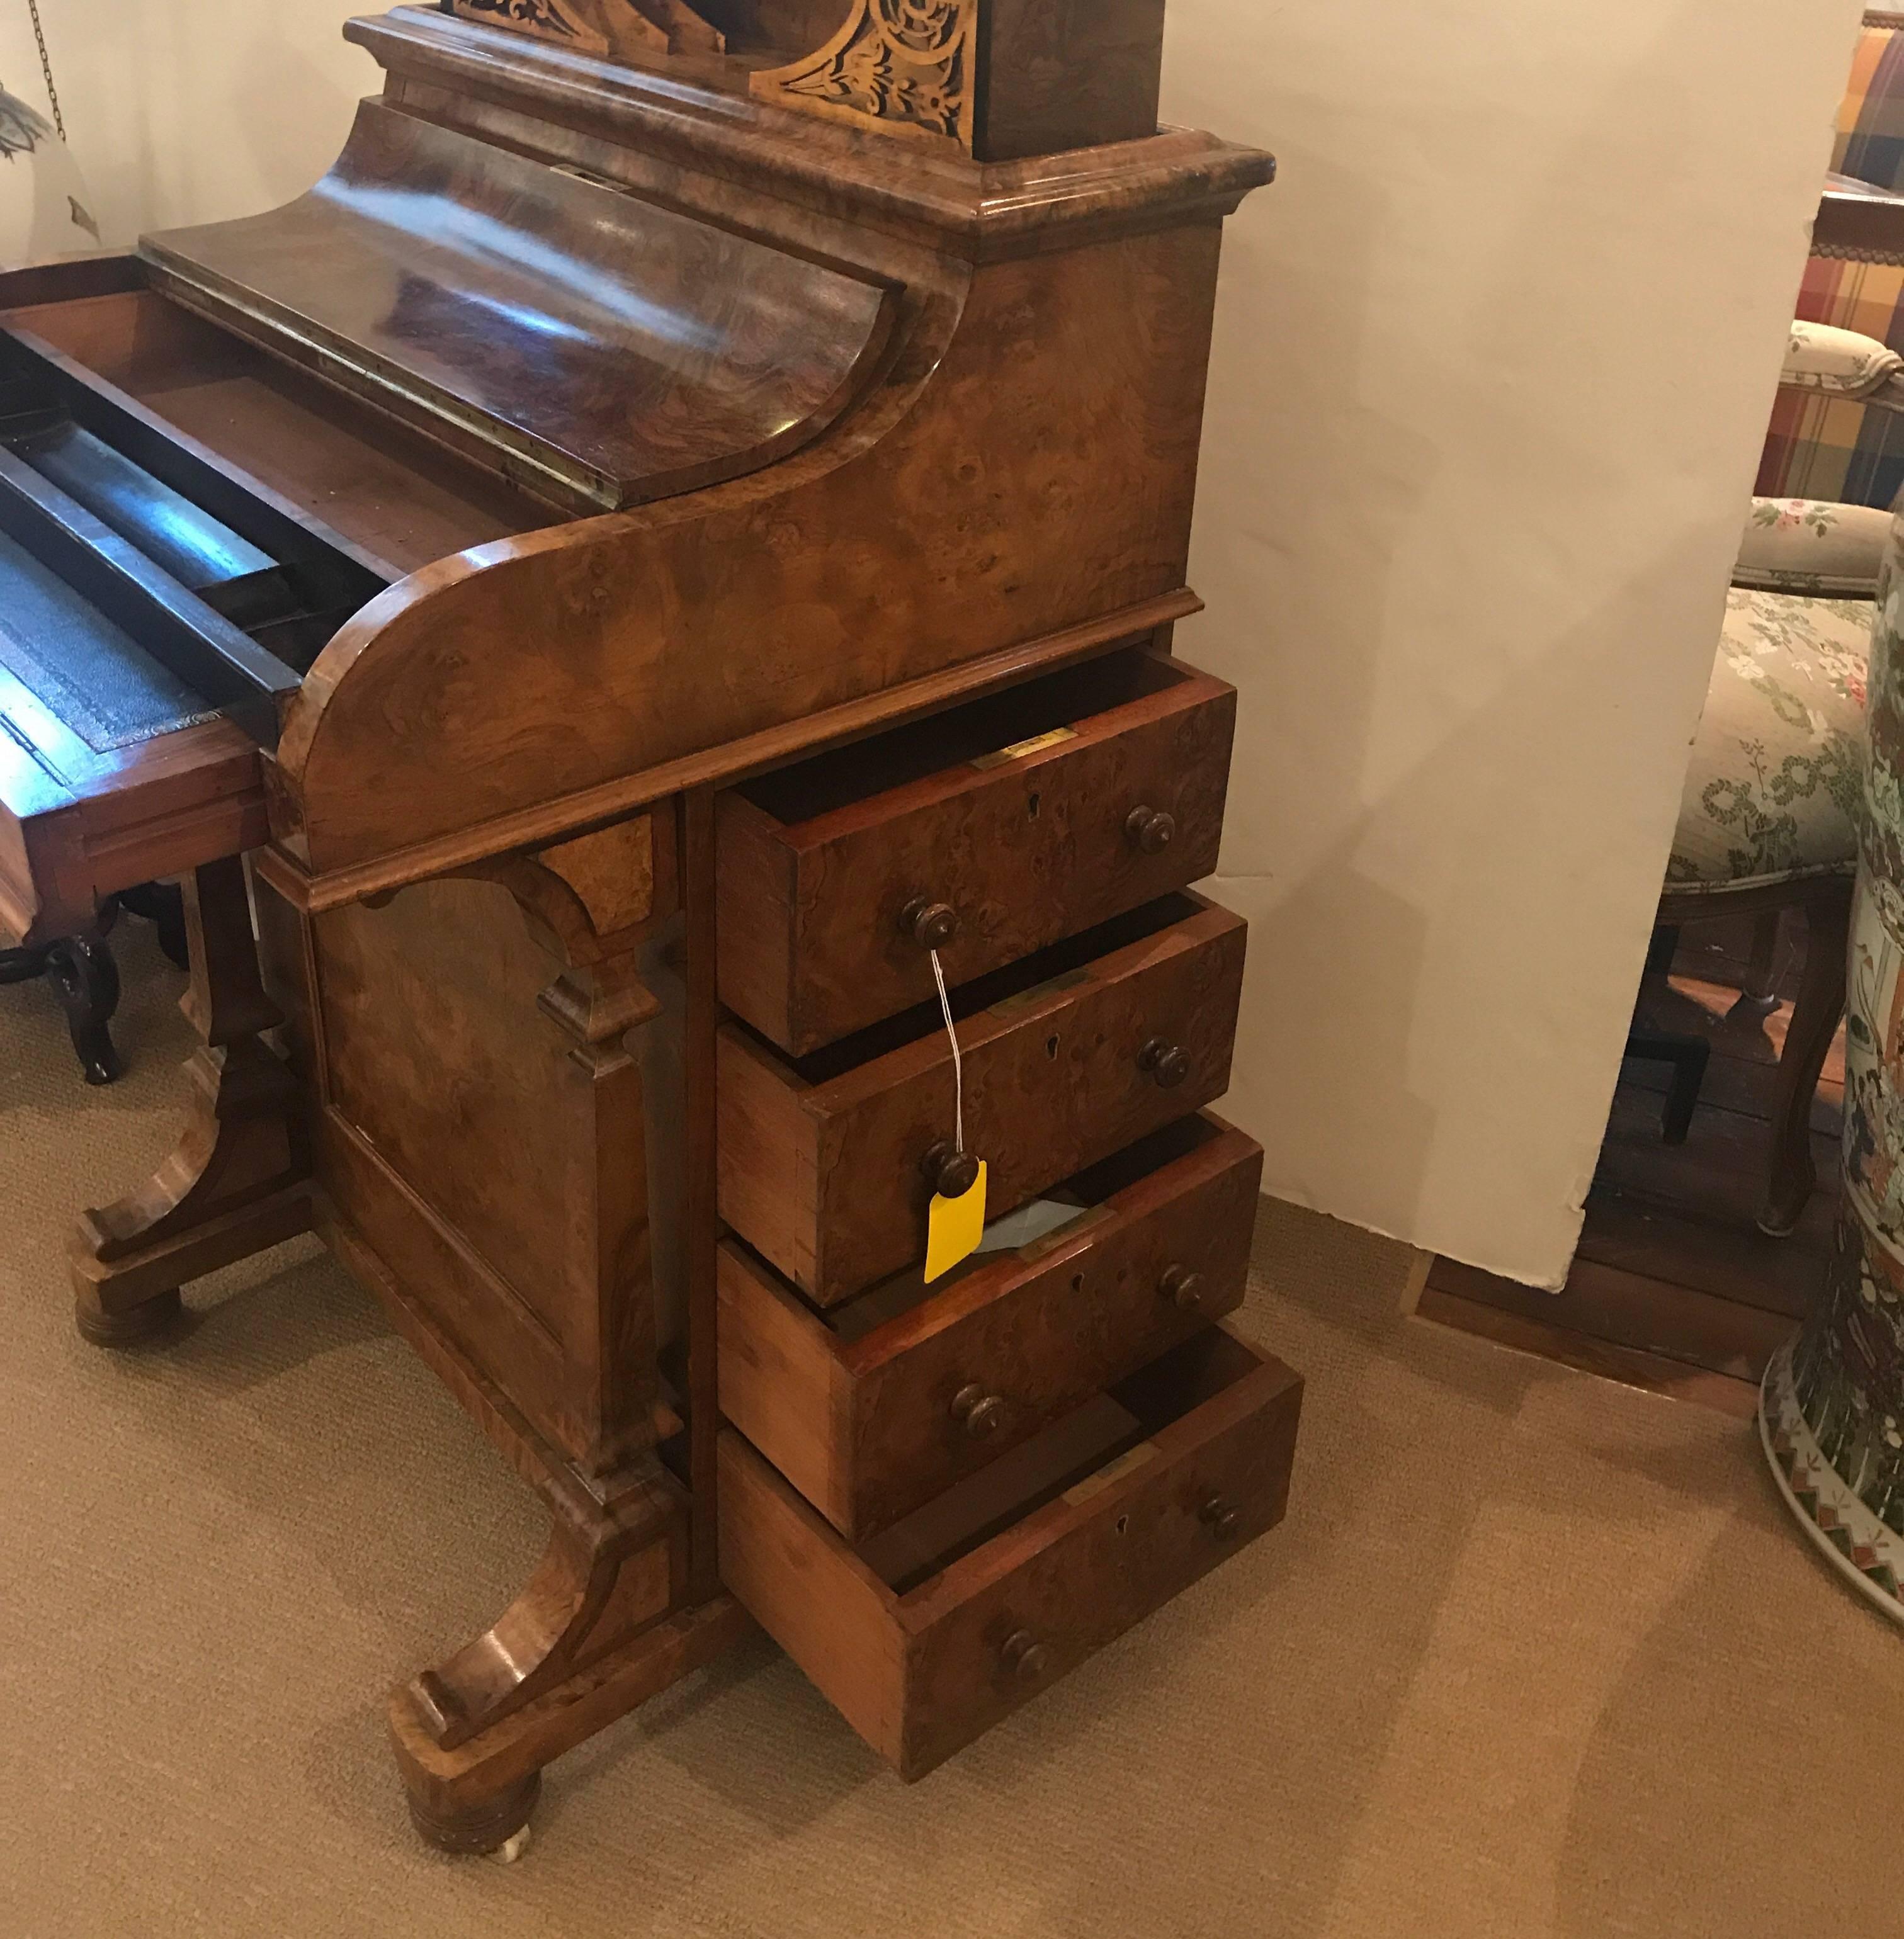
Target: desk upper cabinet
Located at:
point(1000, 78)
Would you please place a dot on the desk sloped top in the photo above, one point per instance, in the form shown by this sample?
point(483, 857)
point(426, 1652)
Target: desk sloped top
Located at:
point(599, 350)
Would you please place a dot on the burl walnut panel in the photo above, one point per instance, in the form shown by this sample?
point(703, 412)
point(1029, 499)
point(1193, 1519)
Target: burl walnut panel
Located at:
point(1039, 474)
point(920, 1671)
point(1068, 74)
point(451, 1081)
point(1026, 827)
point(870, 1418)
point(822, 1165)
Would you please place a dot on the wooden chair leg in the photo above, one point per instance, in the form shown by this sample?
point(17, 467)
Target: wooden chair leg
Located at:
point(1660, 951)
point(1792, 1175)
point(1688, 1056)
point(1759, 996)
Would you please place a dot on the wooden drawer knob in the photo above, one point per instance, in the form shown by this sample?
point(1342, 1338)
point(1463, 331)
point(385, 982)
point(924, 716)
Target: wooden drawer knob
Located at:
point(1182, 1288)
point(931, 925)
point(1025, 1657)
point(1219, 1518)
point(950, 1173)
point(980, 1414)
point(1165, 1062)
point(1151, 829)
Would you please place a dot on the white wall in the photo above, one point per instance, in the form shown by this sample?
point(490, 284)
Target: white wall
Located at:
point(1494, 360)
point(185, 110)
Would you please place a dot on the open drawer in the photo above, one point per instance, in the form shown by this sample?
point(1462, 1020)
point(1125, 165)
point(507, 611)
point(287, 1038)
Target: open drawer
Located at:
point(927, 1635)
point(987, 832)
point(873, 1408)
point(828, 1165)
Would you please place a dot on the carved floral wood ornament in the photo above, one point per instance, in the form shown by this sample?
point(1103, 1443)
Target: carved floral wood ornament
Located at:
point(907, 63)
point(620, 28)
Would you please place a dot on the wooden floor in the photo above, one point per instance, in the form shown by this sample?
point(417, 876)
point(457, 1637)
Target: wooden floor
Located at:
point(1674, 1288)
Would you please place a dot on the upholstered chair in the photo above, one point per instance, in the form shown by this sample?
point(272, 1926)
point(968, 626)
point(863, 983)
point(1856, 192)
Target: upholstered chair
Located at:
point(1823, 444)
point(1868, 143)
point(1768, 820)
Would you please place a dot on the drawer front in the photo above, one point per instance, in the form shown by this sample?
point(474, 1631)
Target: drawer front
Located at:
point(828, 1180)
point(921, 1672)
point(1011, 850)
point(872, 1426)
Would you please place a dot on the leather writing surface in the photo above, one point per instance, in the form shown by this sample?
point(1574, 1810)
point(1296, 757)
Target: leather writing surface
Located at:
point(90, 672)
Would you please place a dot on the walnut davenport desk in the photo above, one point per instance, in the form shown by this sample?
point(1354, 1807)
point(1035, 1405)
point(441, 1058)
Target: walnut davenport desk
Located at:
point(686, 520)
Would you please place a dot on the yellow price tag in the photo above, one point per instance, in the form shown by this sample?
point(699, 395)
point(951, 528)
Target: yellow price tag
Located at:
point(953, 1229)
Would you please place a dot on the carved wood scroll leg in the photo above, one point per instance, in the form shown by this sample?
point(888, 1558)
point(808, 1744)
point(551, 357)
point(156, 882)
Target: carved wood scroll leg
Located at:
point(590, 1637)
point(477, 1797)
point(236, 1181)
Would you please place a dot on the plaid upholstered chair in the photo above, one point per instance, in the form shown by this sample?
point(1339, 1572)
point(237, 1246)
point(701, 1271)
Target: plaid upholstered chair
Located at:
point(1768, 818)
point(1822, 445)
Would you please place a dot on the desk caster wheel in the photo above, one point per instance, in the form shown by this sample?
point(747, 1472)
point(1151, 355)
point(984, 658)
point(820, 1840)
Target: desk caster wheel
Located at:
point(512, 1848)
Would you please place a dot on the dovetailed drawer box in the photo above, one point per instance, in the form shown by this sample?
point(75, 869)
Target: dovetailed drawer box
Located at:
point(827, 1165)
point(925, 1636)
point(988, 831)
point(871, 1409)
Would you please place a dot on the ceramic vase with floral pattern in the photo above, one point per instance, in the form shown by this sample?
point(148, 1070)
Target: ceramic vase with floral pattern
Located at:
point(1832, 1413)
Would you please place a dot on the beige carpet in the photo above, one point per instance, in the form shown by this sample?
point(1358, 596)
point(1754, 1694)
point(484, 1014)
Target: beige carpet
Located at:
point(1533, 1654)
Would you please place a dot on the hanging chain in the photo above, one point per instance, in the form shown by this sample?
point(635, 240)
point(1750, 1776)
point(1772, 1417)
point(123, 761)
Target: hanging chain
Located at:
point(46, 69)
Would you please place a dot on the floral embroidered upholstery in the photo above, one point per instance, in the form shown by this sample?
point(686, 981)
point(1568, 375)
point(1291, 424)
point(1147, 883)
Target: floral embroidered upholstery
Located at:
point(1773, 789)
point(1809, 545)
point(1842, 363)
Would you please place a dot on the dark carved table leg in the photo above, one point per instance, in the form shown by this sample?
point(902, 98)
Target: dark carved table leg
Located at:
point(22, 966)
point(163, 905)
point(236, 1181)
point(86, 980)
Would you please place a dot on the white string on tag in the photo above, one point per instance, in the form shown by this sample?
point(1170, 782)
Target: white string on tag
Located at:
point(958, 1062)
